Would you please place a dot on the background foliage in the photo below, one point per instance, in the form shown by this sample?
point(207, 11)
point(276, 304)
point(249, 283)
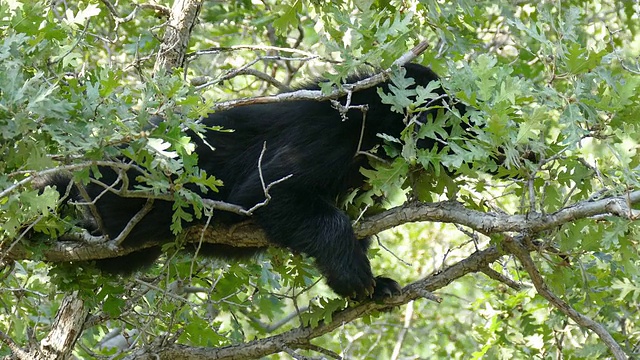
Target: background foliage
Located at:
point(558, 79)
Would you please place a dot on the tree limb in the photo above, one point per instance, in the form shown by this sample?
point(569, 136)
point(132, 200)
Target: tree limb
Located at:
point(318, 95)
point(183, 17)
point(301, 337)
point(519, 250)
point(66, 328)
point(486, 223)
point(248, 234)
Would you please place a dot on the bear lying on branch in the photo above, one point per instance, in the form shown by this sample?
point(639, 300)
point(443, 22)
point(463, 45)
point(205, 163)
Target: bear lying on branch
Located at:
point(297, 158)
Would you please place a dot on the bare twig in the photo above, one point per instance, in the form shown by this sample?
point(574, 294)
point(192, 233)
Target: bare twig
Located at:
point(133, 222)
point(91, 203)
point(119, 19)
point(216, 50)
point(392, 253)
point(17, 240)
point(59, 58)
point(265, 188)
point(246, 70)
point(276, 325)
point(41, 174)
point(266, 78)
point(501, 278)
point(321, 350)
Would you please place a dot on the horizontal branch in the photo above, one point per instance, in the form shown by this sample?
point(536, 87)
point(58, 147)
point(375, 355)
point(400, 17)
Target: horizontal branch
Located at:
point(491, 223)
point(248, 234)
point(318, 95)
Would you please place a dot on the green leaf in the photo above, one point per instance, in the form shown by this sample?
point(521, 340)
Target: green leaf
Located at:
point(580, 60)
point(288, 16)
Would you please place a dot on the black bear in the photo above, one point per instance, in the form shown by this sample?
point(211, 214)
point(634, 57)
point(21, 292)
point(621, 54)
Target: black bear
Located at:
point(311, 141)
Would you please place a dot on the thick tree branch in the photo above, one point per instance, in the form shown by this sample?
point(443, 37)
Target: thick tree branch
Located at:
point(249, 235)
point(184, 15)
point(301, 337)
point(66, 328)
point(454, 212)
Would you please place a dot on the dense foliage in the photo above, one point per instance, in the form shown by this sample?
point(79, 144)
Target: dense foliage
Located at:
point(556, 79)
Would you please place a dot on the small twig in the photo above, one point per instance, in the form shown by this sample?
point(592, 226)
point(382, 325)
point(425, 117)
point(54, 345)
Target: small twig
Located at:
point(228, 75)
point(106, 188)
point(391, 252)
point(165, 292)
point(532, 196)
point(321, 350)
point(200, 242)
point(215, 50)
point(22, 235)
point(362, 212)
point(134, 221)
point(265, 77)
point(119, 19)
point(224, 206)
point(73, 47)
point(293, 354)
point(318, 95)
point(501, 278)
point(265, 188)
point(6, 269)
point(470, 234)
point(91, 203)
point(364, 123)
point(122, 169)
point(426, 294)
point(156, 7)
point(373, 156)
point(275, 326)
point(40, 174)
point(245, 70)
point(112, 9)
point(430, 103)
point(617, 55)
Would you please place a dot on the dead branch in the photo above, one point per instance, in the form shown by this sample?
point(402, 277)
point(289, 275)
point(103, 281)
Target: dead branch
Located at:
point(265, 188)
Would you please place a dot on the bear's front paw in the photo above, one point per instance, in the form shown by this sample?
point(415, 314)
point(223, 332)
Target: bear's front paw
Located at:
point(386, 287)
